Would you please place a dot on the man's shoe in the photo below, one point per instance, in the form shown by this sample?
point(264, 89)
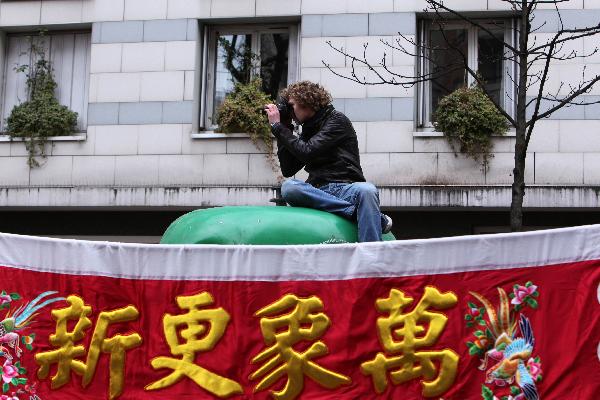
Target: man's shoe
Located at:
point(387, 225)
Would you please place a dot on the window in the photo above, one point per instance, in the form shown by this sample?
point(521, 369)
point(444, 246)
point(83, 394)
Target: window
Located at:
point(69, 54)
point(236, 53)
point(484, 53)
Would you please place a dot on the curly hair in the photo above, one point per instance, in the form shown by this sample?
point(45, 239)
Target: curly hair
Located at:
point(307, 94)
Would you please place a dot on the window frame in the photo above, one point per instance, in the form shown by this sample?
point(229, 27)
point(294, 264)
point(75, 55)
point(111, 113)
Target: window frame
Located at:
point(209, 49)
point(424, 89)
point(82, 122)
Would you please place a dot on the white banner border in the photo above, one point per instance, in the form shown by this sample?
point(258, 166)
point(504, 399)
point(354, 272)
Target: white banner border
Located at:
point(296, 263)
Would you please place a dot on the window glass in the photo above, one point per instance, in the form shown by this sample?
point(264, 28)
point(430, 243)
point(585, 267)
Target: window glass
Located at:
point(274, 62)
point(446, 52)
point(233, 65)
point(238, 53)
point(490, 63)
point(446, 60)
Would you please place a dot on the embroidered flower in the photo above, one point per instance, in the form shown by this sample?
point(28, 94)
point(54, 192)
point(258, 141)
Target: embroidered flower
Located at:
point(9, 371)
point(510, 397)
point(521, 292)
point(5, 397)
point(474, 311)
point(5, 299)
point(481, 343)
point(535, 368)
point(499, 382)
point(30, 388)
point(496, 354)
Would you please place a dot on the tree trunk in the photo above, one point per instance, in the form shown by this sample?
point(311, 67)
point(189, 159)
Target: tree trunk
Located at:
point(518, 186)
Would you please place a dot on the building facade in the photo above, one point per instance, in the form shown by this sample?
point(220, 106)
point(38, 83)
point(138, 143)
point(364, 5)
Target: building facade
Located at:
point(146, 77)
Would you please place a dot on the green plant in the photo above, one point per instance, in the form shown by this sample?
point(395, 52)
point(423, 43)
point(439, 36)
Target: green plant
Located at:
point(242, 111)
point(41, 116)
point(469, 118)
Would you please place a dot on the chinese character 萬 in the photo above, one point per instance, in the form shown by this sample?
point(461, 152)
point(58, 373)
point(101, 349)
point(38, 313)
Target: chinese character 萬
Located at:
point(403, 336)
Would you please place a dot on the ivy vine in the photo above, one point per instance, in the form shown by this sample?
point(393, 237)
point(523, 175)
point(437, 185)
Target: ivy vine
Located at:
point(469, 119)
point(242, 111)
point(41, 116)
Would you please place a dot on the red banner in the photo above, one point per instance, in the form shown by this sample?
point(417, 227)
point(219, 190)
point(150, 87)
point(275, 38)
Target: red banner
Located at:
point(511, 332)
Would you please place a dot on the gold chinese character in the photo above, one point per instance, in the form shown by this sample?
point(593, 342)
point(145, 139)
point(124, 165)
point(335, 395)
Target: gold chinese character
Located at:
point(66, 353)
point(401, 334)
point(303, 322)
point(197, 339)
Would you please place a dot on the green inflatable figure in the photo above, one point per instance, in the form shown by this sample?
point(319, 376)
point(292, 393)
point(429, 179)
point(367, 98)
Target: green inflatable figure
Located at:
point(261, 225)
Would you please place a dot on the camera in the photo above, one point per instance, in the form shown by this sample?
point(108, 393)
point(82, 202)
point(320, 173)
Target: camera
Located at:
point(285, 111)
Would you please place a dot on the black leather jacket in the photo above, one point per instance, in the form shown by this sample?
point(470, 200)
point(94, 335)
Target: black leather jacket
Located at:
point(327, 149)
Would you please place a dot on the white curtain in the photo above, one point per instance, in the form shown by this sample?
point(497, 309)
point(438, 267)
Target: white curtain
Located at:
point(69, 54)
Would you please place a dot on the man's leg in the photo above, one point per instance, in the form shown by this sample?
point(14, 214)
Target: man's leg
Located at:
point(301, 194)
point(365, 197)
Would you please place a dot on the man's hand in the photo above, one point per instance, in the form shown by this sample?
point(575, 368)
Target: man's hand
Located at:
point(272, 113)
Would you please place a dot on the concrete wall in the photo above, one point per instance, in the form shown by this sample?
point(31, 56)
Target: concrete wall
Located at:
point(144, 98)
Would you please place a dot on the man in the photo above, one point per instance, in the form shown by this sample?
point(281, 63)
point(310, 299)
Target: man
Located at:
point(328, 150)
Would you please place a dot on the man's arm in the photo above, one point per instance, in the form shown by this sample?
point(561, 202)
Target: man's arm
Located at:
point(334, 131)
point(288, 163)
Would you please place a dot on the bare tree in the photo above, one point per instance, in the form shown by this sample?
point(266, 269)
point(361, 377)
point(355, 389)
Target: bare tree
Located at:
point(532, 60)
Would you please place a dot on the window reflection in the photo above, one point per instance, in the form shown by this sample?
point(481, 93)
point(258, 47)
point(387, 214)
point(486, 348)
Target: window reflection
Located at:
point(239, 57)
point(234, 64)
point(490, 60)
point(458, 43)
point(274, 62)
point(447, 61)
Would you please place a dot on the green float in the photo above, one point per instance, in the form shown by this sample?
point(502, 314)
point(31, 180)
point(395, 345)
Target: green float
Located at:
point(261, 225)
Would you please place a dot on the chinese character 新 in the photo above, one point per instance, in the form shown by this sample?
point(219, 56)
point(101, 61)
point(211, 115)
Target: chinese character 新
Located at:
point(67, 351)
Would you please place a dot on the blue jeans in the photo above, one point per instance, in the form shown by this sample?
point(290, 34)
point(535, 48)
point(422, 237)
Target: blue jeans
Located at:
point(354, 201)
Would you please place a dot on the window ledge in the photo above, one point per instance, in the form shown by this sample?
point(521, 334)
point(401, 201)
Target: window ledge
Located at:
point(73, 138)
point(430, 134)
point(427, 134)
point(216, 135)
